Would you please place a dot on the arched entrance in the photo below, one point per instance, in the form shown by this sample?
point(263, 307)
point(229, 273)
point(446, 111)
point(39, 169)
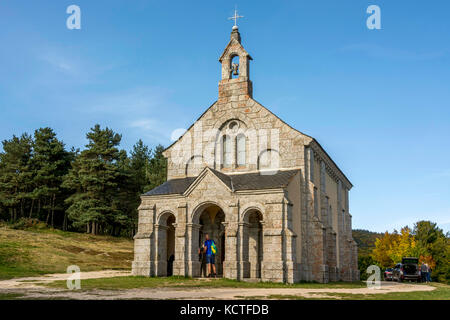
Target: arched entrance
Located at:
point(166, 244)
point(253, 235)
point(210, 220)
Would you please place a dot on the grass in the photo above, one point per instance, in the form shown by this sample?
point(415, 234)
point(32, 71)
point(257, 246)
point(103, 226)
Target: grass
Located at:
point(135, 282)
point(442, 292)
point(10, 296)
point(38, 251)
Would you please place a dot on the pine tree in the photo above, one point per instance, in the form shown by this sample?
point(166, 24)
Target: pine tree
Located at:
point(95, 178)
point(124, 202)
point(157, 168)
point(50, 163)
point(16, 175)
point(139, 182)
point(140, 166)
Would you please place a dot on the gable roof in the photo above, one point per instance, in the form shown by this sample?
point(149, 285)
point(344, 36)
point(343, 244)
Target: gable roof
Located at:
point(174, 186)
point(235, 182)
point(235, 42)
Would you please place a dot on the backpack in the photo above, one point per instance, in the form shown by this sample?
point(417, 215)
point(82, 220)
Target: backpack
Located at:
point(213, 247)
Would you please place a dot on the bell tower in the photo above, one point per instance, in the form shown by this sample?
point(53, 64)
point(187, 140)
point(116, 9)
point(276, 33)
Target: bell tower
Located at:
point(235, 84)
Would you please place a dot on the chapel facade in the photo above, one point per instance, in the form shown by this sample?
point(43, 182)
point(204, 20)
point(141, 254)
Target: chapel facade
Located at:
point(271, 198)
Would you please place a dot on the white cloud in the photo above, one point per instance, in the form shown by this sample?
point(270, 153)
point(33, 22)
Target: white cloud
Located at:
point(152, 128)
point(76, 66)
point(60, 62)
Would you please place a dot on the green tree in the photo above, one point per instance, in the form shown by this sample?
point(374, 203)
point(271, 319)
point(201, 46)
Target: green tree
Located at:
point(383, 246)
point(433, 248)
point(392, 247)
point(157, 168)
point(124, 203)
point(140, 160)
point(16, 175)
point(363, 263)
point(50, 163)
point(95, 178)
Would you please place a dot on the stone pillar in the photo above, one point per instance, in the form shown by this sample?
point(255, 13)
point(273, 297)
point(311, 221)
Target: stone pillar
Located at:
point(291, 270)
point(161, 251)
point(339, 231)
point(323, 195)
point(244, 263)
point(143, 263)
point(291, 273)
point(231, 269)
point(179, 265)
point(331, 256)
point(309, 164)
point(144, 243)
point(192, 260)
point(320, 268)
point(273, 264)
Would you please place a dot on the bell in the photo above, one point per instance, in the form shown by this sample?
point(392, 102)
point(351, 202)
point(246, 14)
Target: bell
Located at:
point(235, 69)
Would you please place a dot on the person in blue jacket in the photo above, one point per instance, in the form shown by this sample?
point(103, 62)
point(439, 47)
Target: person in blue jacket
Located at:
point(209, 248)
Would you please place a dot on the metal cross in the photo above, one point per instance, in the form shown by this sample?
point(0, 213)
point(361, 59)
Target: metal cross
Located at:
point(235, 17)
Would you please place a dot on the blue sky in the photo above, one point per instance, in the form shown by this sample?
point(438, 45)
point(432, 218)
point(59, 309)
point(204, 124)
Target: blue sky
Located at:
point(377, 100)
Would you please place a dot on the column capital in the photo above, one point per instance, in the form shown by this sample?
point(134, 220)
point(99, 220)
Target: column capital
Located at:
point(194, 225)
point(244, 224)
point(234, 204)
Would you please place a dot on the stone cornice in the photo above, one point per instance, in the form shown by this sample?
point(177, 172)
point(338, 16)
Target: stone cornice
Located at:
point(146, 207)
point(259, 191)
point(159, 196)
point(332, 169)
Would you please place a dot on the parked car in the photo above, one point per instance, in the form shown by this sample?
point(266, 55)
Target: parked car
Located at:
point(388, 274)
point(408, 269)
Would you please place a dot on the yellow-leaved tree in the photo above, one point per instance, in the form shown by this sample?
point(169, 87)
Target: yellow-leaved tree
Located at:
point(404, 245)
point(392, 247)
point(383, 245)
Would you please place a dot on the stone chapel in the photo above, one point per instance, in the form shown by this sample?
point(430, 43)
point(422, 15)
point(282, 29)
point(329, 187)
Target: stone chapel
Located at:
point(270, 196)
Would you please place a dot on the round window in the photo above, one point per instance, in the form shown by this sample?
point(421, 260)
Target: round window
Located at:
point(233, 126)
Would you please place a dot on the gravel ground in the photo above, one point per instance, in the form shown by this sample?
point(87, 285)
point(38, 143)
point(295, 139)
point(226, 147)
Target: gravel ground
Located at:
point(31, 289)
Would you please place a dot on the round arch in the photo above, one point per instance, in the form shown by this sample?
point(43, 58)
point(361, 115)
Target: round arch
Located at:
point(197, 163)
point(253, 239)
point(249, 209)
point(200, 206)
point(269, 151)
point(162, 217)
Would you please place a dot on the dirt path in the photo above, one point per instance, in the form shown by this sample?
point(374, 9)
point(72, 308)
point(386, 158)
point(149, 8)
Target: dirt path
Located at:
point(30, 282)
point(30, 289)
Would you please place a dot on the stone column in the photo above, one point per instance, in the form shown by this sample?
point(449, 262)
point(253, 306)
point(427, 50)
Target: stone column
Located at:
point(231, 268)
point(179, 265)
point(273, 265)
point(144, 249)
point(339, 231)
point(161, 250)
point(144, 243)
point(291, 272)
point(192, 260)
point(244, 263)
